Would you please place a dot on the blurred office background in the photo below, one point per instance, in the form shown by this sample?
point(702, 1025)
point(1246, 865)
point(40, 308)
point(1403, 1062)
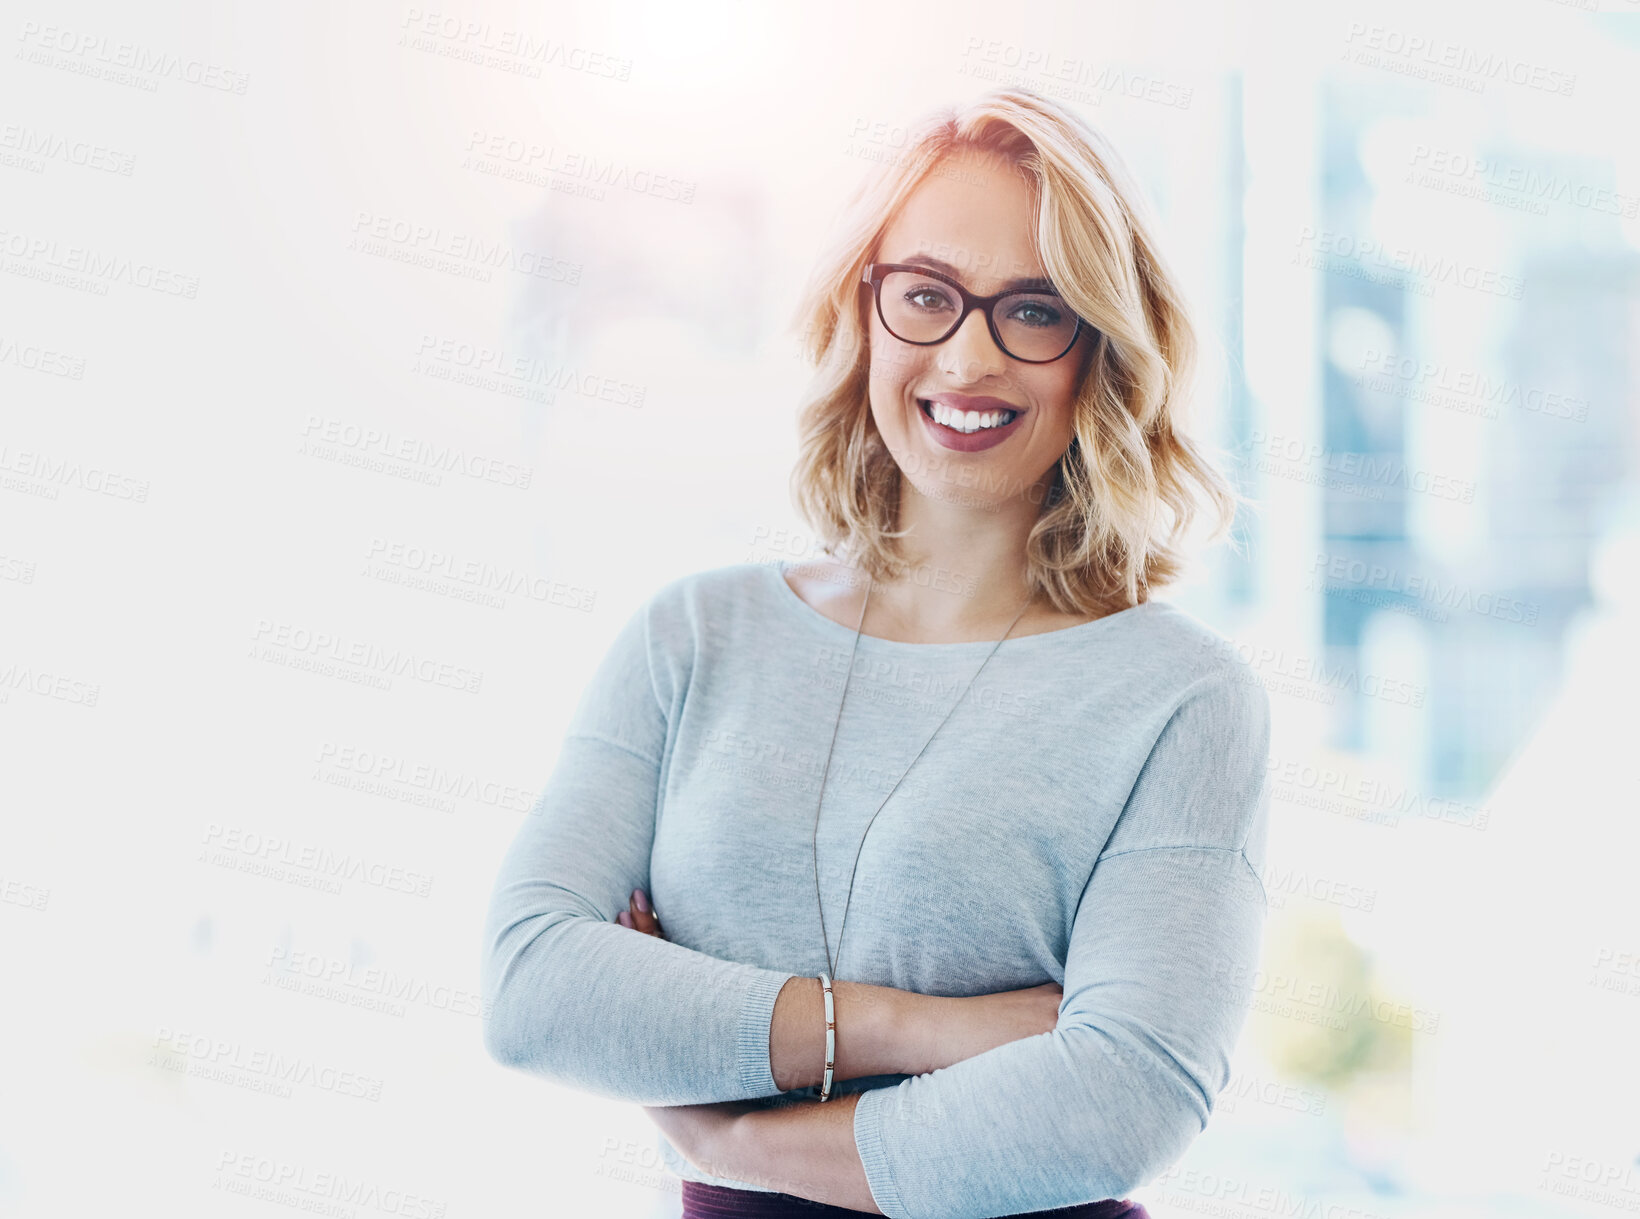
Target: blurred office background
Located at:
point(267, 272)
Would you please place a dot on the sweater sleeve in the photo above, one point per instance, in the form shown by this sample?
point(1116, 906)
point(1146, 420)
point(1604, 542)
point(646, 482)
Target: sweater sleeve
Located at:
point(1157, 982)
point(572, 995)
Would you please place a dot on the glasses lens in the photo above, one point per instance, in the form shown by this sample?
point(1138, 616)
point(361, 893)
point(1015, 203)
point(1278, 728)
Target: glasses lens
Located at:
point(1034, 326)
point(918, 309)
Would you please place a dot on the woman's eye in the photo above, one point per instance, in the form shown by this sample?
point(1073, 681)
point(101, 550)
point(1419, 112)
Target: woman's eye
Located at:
point(1033, 313)
point(928, 299)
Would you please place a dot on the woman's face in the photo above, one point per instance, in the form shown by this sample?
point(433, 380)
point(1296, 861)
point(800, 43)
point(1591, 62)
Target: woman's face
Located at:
point(974, 225)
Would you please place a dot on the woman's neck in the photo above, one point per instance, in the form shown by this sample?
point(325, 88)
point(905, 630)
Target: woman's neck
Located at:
point(966, 571)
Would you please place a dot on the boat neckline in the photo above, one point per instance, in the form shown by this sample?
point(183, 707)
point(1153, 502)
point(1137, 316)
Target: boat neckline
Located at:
point(788, 594)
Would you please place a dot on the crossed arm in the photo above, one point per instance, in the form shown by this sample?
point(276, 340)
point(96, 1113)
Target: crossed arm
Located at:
point(1155, 993)
point(1156, 981)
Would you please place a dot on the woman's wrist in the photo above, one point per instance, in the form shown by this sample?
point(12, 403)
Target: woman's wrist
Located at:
point(889, 1029)
point(880, 1031)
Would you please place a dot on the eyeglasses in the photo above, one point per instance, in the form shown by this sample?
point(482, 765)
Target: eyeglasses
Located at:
point(921, 306)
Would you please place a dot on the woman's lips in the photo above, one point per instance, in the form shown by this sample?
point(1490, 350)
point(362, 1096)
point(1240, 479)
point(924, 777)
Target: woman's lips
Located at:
point(967, 442)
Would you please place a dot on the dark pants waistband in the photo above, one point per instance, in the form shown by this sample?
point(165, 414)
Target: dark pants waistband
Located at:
point(703, 1201)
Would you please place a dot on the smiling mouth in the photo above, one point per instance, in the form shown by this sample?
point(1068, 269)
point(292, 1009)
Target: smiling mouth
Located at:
point(966, 422)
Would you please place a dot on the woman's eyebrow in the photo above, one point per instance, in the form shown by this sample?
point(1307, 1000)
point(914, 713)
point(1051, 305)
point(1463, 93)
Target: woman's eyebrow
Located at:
point(1013, 285)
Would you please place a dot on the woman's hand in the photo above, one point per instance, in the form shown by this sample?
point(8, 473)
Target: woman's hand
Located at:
point(953, 1029)
point(640, 917)
point(698, 1131)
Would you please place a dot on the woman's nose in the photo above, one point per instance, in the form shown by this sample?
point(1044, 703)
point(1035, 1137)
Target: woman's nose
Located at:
point(972, 349)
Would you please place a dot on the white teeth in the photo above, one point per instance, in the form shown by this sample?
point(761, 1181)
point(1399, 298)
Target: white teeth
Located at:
point(969, 421)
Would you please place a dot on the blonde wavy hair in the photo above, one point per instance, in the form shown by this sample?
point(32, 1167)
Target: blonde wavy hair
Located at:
point(1131, 483)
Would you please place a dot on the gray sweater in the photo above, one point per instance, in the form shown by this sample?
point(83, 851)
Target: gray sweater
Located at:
point(1094, 812)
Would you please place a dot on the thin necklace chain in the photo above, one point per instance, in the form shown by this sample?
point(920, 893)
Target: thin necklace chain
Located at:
point(827, 770)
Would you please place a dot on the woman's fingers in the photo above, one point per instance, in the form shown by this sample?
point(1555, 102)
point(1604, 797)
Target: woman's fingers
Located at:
point(640, 916)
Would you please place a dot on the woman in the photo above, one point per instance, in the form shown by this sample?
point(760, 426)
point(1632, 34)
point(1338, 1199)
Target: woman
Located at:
point(1058, 912)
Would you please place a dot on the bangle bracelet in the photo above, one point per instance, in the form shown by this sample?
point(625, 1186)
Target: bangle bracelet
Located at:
point(831, 1038)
